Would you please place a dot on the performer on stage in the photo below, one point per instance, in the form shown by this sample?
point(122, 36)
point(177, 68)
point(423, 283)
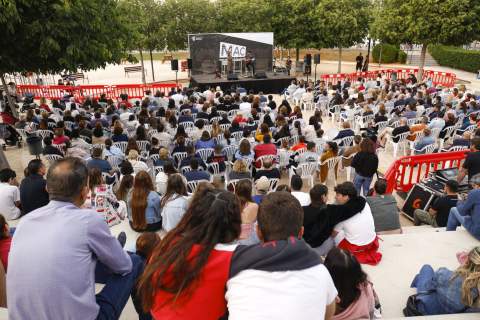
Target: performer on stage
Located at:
point(250, 62)
point(229, 61)
point(288, 65)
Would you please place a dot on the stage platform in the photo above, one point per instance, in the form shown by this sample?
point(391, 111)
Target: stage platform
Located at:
point(274, 83)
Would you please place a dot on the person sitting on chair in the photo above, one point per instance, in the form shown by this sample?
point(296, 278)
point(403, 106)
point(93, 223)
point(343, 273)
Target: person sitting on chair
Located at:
point(196, 174)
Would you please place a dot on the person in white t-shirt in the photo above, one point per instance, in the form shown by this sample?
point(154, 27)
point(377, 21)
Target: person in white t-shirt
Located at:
point(245, 107)
point(9, 194)
point(282, 277)
point(356, 234)
point(296, 184)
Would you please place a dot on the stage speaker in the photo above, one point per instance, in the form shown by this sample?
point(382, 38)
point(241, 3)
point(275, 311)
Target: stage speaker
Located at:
point(316, 58)
point(260, 75)
point(418, 198)
point(232, 76)
point(174, 64)
point(308, 59)
point(190, 63)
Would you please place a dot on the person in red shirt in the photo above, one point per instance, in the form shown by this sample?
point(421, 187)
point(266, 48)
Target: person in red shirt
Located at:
point(300, 145)
point(60, 137)
point(5, 242)
point(44, 105)
point(264, 149)
point(187, 273)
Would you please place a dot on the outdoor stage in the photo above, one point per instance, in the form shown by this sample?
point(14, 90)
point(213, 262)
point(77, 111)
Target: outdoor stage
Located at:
point(274, 83)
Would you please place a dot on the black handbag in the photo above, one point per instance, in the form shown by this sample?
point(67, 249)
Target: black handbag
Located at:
point(411, 308)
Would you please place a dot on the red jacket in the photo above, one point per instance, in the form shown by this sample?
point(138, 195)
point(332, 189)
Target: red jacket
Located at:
point(263, 150)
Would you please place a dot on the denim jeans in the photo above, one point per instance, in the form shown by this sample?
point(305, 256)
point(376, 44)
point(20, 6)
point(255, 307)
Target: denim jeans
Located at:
point(360, 181)
point(454, 219)
point(424, 281)
point(118, 288)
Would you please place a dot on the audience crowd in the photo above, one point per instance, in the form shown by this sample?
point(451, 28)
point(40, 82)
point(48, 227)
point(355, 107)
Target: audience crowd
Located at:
point(202, 170)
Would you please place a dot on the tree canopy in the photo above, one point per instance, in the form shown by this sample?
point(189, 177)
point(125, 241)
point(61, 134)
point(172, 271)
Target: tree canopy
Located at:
point(56, 35)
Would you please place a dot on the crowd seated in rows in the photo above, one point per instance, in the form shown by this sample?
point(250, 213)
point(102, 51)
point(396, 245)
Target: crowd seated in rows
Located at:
point(160, 160)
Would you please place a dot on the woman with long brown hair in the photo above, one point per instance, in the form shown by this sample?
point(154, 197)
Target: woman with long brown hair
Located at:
point(174, 203)
point(143, 205)
point(187, 272)
point(249, 208)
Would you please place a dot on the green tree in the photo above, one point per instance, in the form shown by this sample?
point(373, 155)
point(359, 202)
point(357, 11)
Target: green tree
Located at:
point(242, 16)
point(294, 24)
point(344, 23)
point(184, 17)
point(426, 22)
point(57, 36)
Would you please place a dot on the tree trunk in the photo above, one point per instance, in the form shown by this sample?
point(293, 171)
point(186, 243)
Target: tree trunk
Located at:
point(422, 62)
point(339, 60)
point(151, 62)
point(297, 52)
point(11, 103)
point(143, 66)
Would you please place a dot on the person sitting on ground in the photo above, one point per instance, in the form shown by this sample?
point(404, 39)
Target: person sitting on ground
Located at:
point(33, 188)
point(49, 149)
point(345, 132)
point(318, 197)
point(86, 246)
point(296, 183)
point(5, 242)
point(437, 214)
point(320, 218)
point(191, 154)
point(268, 170)
point(239, 171)
point(143, 205)
point(125, 185)
point(174, 203)
point(384, 209)
point(262, 185)
point(357, 234)
point(356, 297)
point(467, 213)
point(195, 174)
point(249, 208)
point(197, 251)
point(250, 288)
point(10, 205)
point(161, 178)
point(103, 200)
point(264, 149)
point(146, 244)
point(137, 165)
point(447, 292)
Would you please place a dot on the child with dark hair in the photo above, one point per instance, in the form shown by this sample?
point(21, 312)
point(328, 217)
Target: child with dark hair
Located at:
point(356, 297)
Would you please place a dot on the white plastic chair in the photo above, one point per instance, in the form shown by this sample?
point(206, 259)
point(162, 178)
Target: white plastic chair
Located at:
point(122, 145)
point(115, 161)
point(448, 135)
point(193, 185)
point(205, 153)
point(229, 151)
point(455, 148)
point(402, 141)
point(332, 165)
point(143, 145)
point(273, 184)
point(306, 170)
point(425, 150)
point(179, 156)
point(51, 158)
point(265, 157)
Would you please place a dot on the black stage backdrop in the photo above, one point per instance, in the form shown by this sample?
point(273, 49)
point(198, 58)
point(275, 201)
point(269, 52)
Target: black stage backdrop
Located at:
point(206, 49)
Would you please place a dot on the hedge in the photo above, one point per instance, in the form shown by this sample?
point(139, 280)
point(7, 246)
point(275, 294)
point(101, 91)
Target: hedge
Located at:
point(390, 53)
point(457, 58)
